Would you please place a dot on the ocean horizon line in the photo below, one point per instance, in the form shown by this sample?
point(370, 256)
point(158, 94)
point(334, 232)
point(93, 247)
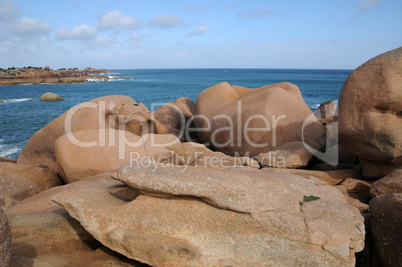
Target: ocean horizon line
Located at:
point(314, 69)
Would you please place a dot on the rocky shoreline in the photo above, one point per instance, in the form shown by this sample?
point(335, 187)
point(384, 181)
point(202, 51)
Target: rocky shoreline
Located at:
point(38, 75)
point(241, 177)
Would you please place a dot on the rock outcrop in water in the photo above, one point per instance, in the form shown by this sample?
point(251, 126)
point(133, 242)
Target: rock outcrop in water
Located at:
point(50, 97)
point(36, 75)
point(180, 203)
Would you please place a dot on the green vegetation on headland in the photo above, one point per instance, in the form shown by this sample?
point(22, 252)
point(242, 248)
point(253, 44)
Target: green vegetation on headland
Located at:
point(37, 75)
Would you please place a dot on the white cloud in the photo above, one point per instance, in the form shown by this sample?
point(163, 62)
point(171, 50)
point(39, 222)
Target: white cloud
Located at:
point(20, 28)
point(8, 10)
point(165, 21)
point(81, 32)
point(116, 19)
point(255, 13)
point(29, 26)
point(203, 28)
point(367, 4)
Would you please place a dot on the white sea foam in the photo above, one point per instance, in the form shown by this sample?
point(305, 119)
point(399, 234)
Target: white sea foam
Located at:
point(314, 107)
point(18, 100)
point(95, 80)
point(114, 78)
point(109, 79)
point(8, 151)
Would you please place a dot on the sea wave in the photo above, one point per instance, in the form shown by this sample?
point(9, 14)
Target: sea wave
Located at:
point(17, 100)
point(95, 80)
point(8, 150)
point(109, 78)
point(315, 106)
point(114, 78)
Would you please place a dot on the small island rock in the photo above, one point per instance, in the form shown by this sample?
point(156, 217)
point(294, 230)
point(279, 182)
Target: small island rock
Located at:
point(50, 97)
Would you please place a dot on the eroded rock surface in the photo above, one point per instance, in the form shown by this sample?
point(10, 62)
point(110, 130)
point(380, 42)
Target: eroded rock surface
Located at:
point(110, 112)
point(19, 181)
point(110, 150)
point(44, 234)
point(369, 114)
point(246, 122)
point(386, 229)
point(220, 217)
point(5, 240)
point(389, 184)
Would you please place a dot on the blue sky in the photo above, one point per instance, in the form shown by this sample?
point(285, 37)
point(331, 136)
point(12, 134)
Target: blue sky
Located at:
point(339, 34)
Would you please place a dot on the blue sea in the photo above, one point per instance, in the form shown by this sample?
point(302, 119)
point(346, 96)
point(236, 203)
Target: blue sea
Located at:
point(22, 113)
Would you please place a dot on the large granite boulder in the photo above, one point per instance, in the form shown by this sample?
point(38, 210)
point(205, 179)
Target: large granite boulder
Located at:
point(18, 181)
point(105, 151)
point(242, 121)
point(204, 217)
point(369, 114)
point(44, 234)
point(5, 240)
point(386, 229)
point(92, 152)
point(289, 155)
point(109, 112)
point(41, 176)
point(389, 184)
point(177, 117)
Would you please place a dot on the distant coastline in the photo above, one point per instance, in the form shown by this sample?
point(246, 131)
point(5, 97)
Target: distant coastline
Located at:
point(38, 75)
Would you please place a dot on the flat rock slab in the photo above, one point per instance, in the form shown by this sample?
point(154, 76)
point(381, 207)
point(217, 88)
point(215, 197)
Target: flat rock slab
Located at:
point(204, 217)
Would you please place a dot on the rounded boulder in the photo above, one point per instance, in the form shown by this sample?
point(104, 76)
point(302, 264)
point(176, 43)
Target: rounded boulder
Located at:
point(109, 112)
point(50, 97)
point(370, 112)
point(240, 121)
